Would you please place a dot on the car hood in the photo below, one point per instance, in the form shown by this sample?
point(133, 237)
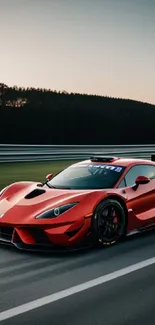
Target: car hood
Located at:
point(22, 205)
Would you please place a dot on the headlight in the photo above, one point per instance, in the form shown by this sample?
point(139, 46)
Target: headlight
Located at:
point(3, 190)
point(53, 213)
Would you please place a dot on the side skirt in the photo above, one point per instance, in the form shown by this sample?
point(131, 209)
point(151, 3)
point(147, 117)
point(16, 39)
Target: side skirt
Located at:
point(142, 229)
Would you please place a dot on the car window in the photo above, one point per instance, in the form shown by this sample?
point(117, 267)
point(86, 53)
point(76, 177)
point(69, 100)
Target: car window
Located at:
point(122, 184)
point(139, 170)
point(88, 176)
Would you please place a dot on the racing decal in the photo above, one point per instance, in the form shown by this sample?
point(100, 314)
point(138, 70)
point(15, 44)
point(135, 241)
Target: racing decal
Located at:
point(107, 243)
point(95, 167)
point(117, 169)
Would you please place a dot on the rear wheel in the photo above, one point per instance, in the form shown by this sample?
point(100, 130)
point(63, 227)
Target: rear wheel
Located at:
point(109, 222)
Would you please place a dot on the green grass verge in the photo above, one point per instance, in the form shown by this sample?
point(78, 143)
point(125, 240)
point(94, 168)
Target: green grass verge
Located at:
point(14, 172)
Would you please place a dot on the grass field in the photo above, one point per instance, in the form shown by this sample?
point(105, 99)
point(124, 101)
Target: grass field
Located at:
point(15, 172)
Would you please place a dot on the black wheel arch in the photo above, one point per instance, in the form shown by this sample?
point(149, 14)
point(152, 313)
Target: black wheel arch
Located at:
point(122, 202)
point(115, 198)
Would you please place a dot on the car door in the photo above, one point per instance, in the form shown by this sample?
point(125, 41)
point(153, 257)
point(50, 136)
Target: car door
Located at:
point(141, 200)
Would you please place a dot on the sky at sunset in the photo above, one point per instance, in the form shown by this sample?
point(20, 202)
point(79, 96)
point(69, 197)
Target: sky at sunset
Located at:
point(104, 47)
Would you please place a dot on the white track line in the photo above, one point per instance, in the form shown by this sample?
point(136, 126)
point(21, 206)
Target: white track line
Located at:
point(73, 290)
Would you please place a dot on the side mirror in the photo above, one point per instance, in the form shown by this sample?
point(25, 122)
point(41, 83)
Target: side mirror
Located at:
point(141, 180)
point(49, 177)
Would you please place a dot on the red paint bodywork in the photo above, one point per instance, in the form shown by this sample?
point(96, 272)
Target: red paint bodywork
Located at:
point(73, 226)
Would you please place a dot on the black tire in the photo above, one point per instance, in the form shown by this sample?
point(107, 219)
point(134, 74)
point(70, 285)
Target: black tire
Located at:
point(107, 227)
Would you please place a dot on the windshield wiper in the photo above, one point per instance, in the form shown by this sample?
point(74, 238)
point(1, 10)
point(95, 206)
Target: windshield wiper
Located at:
point(57, 187)
point(62, 187)
point(50, 186)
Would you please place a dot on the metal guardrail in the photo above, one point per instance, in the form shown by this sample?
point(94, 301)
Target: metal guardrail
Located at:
point(30, 153)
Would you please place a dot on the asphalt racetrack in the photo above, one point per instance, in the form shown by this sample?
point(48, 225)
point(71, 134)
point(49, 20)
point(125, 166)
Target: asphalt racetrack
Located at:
point(110, 286)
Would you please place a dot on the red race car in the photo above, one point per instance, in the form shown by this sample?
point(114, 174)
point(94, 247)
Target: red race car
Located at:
point(99, 200)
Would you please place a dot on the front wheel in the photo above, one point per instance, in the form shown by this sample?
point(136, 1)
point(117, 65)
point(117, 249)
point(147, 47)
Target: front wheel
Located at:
point(109, 222)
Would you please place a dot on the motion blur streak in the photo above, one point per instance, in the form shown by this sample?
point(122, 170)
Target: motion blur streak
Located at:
point(73, 290)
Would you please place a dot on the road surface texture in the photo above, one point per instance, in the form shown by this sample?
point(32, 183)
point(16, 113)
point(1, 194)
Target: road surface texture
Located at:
point(122, 291)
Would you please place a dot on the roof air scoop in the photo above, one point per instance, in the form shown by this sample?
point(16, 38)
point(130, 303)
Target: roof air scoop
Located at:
point(100, 158)
point(153, 157)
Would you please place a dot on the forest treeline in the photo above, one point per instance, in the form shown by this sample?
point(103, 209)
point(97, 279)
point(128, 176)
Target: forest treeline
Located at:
point(42, 116)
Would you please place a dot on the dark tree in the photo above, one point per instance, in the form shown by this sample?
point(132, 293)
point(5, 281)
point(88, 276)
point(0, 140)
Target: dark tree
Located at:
point(42, 116)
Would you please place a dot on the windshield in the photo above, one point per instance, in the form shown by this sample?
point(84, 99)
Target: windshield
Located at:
point(88, 176)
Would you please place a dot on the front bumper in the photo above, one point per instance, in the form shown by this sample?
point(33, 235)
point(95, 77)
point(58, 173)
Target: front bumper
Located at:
point(34, 238)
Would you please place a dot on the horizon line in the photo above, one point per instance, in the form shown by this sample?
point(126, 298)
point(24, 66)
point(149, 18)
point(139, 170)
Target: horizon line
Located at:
point(75, 93)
